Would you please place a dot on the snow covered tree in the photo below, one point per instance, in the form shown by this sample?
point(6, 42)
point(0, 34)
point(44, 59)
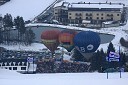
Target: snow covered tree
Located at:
point(29, 37)
point(77, 55)
point(20, 25)
point(8, 24)
point(110, 48)
point(97, 61)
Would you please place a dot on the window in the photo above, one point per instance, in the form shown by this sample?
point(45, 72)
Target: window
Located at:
point(112, 18)
point(97, 14)
point(23, 68)
point(70, 18)
point(70, 13)
point(56, 9)
point(10, 68)
point(90, 17)
point(14, 68)
point(86, 17)
point(6, 67)
point(97, 17)
point(102, 18)
point(56, 13)
point(102, 14)
point(86, 14)
point(117, 14)
point(76, 14)
point(107, 14)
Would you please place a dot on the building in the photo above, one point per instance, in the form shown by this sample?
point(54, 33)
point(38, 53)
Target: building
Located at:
point(90, 14)
point(3, 1)
point(19, 65)
point(61, 12)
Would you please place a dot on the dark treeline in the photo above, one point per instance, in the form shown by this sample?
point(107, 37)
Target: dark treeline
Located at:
point(13, 31)
point(99, 62)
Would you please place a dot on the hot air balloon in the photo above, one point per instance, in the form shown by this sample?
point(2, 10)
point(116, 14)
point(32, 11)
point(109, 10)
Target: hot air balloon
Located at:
point(66, 39)
point(87, 42)
point(50, 39)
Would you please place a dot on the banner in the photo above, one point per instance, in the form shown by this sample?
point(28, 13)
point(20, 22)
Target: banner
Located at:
point(113, 57)
point(30, 60)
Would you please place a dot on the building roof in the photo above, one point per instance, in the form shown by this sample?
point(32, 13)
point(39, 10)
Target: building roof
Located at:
point(93, 9)
point(65, 4)
point(96, 5)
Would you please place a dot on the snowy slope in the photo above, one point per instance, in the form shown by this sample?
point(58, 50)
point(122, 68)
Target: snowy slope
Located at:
point(12, 78)
point(28, 9)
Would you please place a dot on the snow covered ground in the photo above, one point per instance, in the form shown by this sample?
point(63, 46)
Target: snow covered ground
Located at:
point(28, 9)
point(13, 78)
point(33, 47)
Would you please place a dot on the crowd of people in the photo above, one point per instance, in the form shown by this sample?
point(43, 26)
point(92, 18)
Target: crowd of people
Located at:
point(21, 54)
point(45, 64)
point(52, 66)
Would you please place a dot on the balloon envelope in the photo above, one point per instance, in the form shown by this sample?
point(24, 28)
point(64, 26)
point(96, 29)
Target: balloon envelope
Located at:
point(66, 39)
point(50, 39)
point(87, 42)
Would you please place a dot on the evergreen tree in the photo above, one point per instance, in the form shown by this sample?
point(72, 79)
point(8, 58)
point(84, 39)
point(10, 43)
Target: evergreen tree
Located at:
point(110, 48)
point(1, 36)
point(8, 24)
point(96, 61)
point(20, 25)
point(77, 55)
point(1, 25)
point(29, 37)
point(123, 59)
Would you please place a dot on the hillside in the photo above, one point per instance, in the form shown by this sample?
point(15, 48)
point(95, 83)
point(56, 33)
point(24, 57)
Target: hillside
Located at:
point(28, 9)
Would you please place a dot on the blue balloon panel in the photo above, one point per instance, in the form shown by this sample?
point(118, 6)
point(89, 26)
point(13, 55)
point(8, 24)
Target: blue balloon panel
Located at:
point(87, 41)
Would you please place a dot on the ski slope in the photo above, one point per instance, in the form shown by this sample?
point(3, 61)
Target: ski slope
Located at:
point(28, 9)
point(13, 78)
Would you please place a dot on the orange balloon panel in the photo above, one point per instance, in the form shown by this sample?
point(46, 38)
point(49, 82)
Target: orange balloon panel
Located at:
point(50, 34)
point(50, 39)
point(65, 37)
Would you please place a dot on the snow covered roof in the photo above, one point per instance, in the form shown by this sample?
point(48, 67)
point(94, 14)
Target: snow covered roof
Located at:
point(96, 5)
point(97, 1)
point(109, 22)
point(66, 4)
point(58, 4)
